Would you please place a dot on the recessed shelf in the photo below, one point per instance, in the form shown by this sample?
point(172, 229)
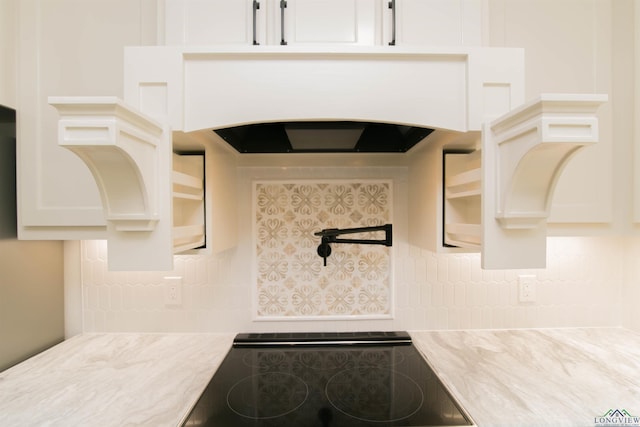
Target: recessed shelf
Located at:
point(188, 237)
point(188, 202)
point(450, 195)
point(464, 235)
point(181, 179)
point(470, 178)
point(462, 183)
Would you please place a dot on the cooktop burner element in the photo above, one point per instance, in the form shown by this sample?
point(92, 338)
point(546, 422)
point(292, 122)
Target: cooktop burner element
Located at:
point(374, 394)
point(325, 380)
point(278, 392)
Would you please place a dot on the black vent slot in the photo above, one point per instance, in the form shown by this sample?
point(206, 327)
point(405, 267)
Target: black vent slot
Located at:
point(323, 137)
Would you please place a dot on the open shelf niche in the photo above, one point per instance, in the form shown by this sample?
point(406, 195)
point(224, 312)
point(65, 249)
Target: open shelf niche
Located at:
point(462, 199)
point(188, 202)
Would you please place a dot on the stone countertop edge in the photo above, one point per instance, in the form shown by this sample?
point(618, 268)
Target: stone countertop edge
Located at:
point(112, 379)
point(537, 377)
point(523, 377)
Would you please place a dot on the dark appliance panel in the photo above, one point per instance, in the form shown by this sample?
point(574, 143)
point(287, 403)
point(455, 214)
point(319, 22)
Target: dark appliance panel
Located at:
point(338, 380)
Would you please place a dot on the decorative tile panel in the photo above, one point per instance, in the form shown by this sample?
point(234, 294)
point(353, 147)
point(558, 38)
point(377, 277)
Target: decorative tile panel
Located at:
point(291, 281)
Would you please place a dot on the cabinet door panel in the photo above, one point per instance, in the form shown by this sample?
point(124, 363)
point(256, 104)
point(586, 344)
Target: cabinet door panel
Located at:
point(331, 21)
point(325, 21)
point(437, 22)
point(66, 47)
point(572, 55)
point(203, 22)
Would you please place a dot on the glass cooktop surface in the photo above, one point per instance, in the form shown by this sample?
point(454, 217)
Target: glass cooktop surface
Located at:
point(325, 380)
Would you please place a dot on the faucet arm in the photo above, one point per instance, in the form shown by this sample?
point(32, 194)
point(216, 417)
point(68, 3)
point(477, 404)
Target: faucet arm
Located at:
point(330, 235)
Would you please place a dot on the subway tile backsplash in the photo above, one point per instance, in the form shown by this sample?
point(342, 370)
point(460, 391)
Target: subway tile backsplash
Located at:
point(581, 286)
point(589, 281)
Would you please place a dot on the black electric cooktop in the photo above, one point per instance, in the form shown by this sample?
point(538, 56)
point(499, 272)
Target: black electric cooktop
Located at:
point(325, 380)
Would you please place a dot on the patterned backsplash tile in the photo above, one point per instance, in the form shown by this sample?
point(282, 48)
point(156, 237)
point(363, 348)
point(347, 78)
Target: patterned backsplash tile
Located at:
point(291, 281)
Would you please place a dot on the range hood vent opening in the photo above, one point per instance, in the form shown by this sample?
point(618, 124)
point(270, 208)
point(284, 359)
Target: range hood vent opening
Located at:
point(323, 137)
point(314, 136)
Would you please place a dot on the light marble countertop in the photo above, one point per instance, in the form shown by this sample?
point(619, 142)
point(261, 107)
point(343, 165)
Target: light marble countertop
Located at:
point(112, 380)
point(516, 377)
point(542, 377)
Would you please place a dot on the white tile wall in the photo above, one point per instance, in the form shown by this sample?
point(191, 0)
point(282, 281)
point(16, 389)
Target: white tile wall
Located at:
point(583, 285)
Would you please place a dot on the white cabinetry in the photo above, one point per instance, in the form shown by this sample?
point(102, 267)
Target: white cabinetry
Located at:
point(435, 23)
point(272, 22)
point(70, 53)
point(129, 156)
point(456, 89)
point(524, 153)
point(331, 21)
point(568, 49)
point(66, 47)
point(209, 76)
point(312, 22)
point(497, 197)
point(153, 201)
point(205, 22)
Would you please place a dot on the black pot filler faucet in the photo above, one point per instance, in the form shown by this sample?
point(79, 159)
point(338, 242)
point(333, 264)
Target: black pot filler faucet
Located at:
point(330, 235)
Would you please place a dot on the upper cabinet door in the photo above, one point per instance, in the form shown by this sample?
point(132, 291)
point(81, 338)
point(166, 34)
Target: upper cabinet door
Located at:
point(346, 22)
point(206, 22)
point(272, 22)
point(434, 22)
point(573, 54)
point(309, 22)
point(67, 47)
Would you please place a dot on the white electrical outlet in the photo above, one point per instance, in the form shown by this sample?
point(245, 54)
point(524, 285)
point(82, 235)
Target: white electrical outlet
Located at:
point(173, 290)
point(527, 288)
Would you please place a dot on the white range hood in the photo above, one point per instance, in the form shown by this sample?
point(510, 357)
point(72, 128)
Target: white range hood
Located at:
point(209, 88)
point(460, 90)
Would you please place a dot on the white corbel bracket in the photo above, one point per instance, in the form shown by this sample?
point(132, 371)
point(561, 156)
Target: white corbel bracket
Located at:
point(523, 155)
point(120, 147)
point(534, 143)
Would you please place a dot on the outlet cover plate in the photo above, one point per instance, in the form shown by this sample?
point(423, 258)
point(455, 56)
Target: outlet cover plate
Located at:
point(527, 288)
point(172, 291)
